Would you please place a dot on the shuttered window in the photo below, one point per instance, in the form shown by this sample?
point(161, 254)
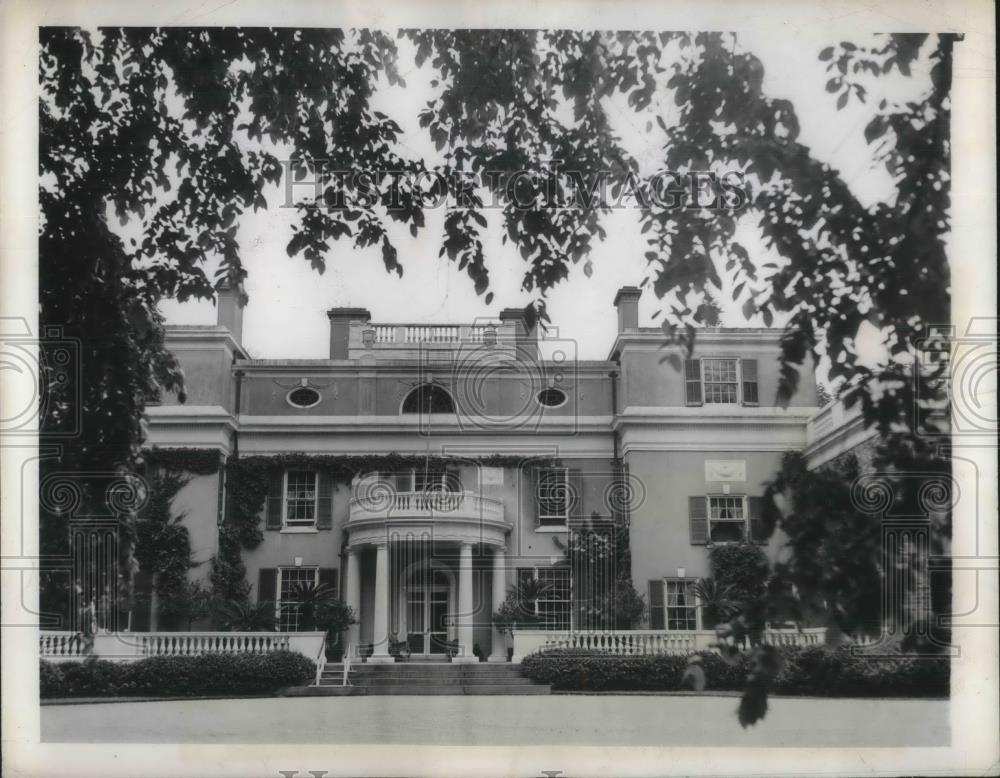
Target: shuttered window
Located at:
point(552, 496)
point(720, 384)
point(680, 604)
point(300, 498)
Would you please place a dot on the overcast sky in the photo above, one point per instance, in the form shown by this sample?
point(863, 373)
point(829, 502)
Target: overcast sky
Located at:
point(288, 300)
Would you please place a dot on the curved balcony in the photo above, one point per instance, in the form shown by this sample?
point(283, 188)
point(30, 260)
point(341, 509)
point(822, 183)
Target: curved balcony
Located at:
point(383, 514)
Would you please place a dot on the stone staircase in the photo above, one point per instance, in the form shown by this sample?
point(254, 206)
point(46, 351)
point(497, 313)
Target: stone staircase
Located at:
point(423, 678)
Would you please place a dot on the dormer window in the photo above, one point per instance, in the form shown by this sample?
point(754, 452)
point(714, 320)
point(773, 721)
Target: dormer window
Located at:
point(428, 398)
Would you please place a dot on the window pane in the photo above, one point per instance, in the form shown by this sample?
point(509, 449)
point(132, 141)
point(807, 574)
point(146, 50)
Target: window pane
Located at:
point(554, 604)
point(300, 498)
point(552, 496)
point(291, 578)
point(720, 380)
point(681, 606)
point(727, 519)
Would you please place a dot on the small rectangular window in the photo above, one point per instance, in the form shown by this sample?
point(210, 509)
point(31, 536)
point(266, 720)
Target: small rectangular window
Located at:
point(720, 381)
point(727, 519)
point(300, 499)
point(552, 498)
point(681, 604)
point(289, 587)
point(555, 602)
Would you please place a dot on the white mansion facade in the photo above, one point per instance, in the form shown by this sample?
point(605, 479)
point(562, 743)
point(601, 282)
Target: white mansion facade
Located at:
point(493, 457)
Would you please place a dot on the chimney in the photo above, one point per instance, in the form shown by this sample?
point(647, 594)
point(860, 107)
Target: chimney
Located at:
point(340, 329)
point(627, 303)
point(229, 306)
point(525, 340)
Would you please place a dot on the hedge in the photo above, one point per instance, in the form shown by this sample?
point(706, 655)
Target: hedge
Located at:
point(821, 672)
point(177, 676)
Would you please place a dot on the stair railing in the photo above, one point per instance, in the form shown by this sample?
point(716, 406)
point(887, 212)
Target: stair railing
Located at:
point(346, 681)
point(320, 662)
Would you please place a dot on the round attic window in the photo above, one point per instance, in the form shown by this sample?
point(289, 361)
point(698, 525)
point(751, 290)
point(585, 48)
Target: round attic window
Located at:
point(304, 397)
point(551, 398)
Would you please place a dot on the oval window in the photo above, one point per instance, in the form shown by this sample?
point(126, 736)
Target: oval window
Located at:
point(303, 397)
point(551, 398)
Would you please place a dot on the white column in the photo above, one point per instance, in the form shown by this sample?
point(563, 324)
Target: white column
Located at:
point(465, 638)
point(353, 597)
point(499, 650)
point(380, 624)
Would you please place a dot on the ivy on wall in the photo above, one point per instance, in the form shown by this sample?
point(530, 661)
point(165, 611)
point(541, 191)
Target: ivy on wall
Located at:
point(247, 481)
point(197, 461)
point(163, 546)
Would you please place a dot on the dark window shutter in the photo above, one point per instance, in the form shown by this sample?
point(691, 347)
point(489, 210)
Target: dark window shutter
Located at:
point(750, 394)
point(275, 496)
point(142, 610)
point(574, 495)
point(756, 509)
point(656, 613)
point(698, 520)
point(267, 585)
point(692, 381)
point(328, 576)
point(324, 505)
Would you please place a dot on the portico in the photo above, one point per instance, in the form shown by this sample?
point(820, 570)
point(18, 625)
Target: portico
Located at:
point(425, 571)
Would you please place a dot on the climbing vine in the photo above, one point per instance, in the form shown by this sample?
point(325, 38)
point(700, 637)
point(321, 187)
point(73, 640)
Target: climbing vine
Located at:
point(197, 461)
point(163, 546)
point(247, 481)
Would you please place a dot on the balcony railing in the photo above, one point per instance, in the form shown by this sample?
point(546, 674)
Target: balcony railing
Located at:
point(392, 504)
point(410, 334)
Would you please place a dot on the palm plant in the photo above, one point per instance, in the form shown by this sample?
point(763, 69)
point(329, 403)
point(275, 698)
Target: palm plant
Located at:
point(716, 600)
point(246, 616)
point(309, 601)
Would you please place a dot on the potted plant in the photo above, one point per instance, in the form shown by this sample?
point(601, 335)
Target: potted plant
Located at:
point(518, 609)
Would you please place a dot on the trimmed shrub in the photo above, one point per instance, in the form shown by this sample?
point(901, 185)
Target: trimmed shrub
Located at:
point(825, 672)
point(177, 676)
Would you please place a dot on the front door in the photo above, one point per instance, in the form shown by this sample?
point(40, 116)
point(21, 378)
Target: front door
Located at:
point(427, 619)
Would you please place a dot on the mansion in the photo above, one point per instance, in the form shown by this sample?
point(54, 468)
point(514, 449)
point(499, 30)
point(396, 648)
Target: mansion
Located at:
point(488, 463)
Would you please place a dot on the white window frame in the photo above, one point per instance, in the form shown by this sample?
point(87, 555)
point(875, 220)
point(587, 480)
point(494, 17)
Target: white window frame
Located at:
point(412, 475)
point(564, 569)
point(279, 601)
point(738, 370)
point(745, 508)
point(299, 524)
point(546, 521)
point(696, 603)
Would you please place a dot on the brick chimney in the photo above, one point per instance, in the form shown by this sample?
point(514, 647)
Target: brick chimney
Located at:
point(525, 340)
point(229, 307)
point(627, 303)
point(340, 328)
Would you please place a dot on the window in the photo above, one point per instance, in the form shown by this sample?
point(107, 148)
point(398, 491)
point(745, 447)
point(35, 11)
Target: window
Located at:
point(300, 498)
point(680, 603)
point(553, 607)
point(291, 578)
point(720, 381)
point(428, 398)
point(303, 397)
point(427, 479)
point(551, 398)
point(726, 519)
point(552, 497)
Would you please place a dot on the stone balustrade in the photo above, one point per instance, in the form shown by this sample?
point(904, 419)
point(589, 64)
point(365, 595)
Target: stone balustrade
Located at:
point(646, 642)
point(62, 646)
